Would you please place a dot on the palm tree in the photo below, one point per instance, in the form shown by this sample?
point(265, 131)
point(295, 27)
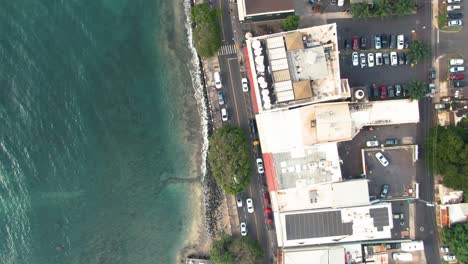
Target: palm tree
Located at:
point(416, 90)
point(403, 7)
point(360, 11)
point(418, 51)
point(382, 9)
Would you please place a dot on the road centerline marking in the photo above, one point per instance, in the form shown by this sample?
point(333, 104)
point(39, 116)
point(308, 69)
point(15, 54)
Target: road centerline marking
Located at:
point(232, 89)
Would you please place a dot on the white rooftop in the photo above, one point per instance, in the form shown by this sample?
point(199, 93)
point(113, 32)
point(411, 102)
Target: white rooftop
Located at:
point(328, 255)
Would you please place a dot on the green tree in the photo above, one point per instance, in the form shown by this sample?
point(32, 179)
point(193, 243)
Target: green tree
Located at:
point(403, 7)
point(291, 23)
point(418, 51)
point(382, 9)
point(219, 252)
point(416, 90)
point(360, 11)
point(207, 32)
point(229, 159)
point(447, 154)
point(244, 250)
point(456, 238)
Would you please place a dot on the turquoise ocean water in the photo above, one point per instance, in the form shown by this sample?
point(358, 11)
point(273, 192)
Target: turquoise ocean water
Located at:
point(97, 112)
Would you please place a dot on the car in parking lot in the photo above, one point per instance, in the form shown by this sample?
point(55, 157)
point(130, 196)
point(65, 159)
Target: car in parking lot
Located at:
point(250, 207)
point(243, 227)
point(439, 106)
point(372, 143)
point(405, 90)
point(377, 42)
point(384, 191)
point(355, 43)
point(456, 62)
point(393, 42)
point(393, 58)
point(386, 58)
point(362, 58)
point(346, 44)
point(458, 83)
point(384, 39)
point(383, 92)
point(268, 215)
point(260, 168)
point(391, 91)
point(453, 1)
point(375, 90)
point(400, 42)
point(363, 43)
point(457, 76)
point(382, 159)
point(224, 114)
point(457, 69)
point(454, 15)
point(245, 85)
point(456, 22)
point(370, 59)
point(253, 128)
point(378, 59)
point(403, 256)
point(355, 59)
point(391, 141)
point(401, 58)
point(453, 8)
point(449, 258)
point(398, 90)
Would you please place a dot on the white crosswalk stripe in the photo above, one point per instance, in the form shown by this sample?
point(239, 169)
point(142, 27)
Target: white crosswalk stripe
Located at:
point(227, 49)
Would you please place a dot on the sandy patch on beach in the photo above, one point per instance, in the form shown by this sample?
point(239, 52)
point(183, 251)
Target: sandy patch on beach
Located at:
point(197, 242)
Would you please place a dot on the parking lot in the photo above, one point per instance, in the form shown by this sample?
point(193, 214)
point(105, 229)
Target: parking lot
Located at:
point(400, 211)
point(398, 175)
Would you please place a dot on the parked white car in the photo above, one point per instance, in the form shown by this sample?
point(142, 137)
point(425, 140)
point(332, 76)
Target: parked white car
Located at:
point(454, 23)
point(372, 143)
point(402, 256)
point(340, 2)
point(378, 59)
point(453, 1)
point(362, 57)
point(224, 114)
point(393, 58)
point(260, 167)
point(382, 159)
point(449, 258)
point(453, 8)
point(456, 62)
point(245, 85)
point(355, 59)
point(400, 42)
point(370, 59)
point(243, 227)
point(250, 207)
point(457, 69)
point(217, 79)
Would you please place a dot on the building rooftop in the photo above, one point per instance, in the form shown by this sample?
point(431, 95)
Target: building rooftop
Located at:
point(267, 6)
point(296, 68)
point(330, 226)
point(323, 255)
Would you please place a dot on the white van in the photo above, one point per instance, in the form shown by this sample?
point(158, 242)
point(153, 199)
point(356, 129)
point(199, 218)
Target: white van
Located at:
point(340, 2)
point(224, 114)
point(403, 256)
point(217, 79)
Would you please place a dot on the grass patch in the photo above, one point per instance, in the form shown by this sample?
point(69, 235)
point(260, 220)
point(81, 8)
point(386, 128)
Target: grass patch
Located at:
point(442, 19)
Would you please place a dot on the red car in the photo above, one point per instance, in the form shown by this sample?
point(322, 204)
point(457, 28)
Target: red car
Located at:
point(266, 199)
point(355, 43)
point(457, 76)
point(268, 215)
point(383, 92)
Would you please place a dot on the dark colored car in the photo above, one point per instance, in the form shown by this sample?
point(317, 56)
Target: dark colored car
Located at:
point(391, 91)
point(401, 58)
point(363, 43)
point(268, 215)
point(392, 42)
point(266, 199)
point(458, 83)
point(432, 74)
point(407, 61)
point(347, 46)
point(383, 92)
point(405, 90)
point(355, 43)
point(376, 91)
point(392, 141)
point(384, 39)
point(398, 90)
point(220, 97)
point(384, 191)
point(369, 92)
point(386, 58)
point(457, 76)
point(253, 128)
point(454, 15)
